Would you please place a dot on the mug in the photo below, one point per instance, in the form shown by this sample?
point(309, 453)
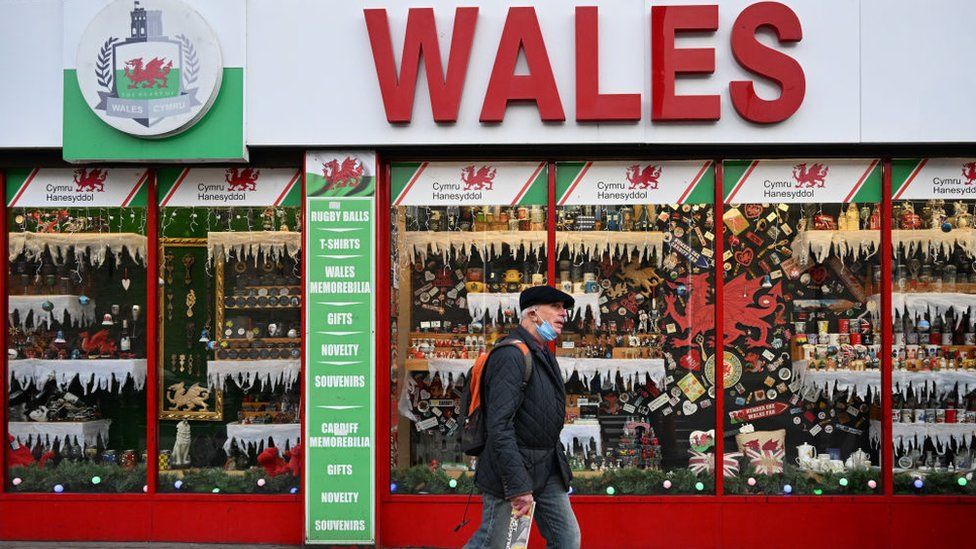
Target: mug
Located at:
point(836, 466)
point(474, 286)
point(566, 285)
point(806, 462)
point(513, 275)
point(591, 287)
point(538, 279)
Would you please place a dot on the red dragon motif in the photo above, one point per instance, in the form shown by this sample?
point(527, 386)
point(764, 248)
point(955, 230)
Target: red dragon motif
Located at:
point(476, 180)
point(969, 172)
point(90, 180)
point(814, 176)
point(643, 179)
point(100, 343)
point(149, 74)
point(338, 175)
point(242, 180)
point(741, 306)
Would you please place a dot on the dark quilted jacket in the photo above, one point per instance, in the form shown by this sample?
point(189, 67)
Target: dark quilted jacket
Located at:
point(523, 447)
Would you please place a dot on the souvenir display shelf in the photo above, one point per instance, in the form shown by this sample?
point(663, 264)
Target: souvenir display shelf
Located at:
point(934, 336)
point(76, 364)
point(230, 352)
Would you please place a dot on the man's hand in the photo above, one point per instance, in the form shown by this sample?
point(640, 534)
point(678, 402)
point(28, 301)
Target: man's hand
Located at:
point(521, 504)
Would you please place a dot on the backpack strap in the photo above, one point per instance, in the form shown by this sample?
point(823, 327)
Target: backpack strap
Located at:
point(526, 356)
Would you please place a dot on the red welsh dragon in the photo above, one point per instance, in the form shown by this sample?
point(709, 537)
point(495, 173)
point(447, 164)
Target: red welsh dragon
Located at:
point(148, 75)
point(969, 172)
point(742, 307)
point(90, 180)
point(344, 175)
point(814, 176)
point(477, 180)
point(643, 179)
point(242, 180)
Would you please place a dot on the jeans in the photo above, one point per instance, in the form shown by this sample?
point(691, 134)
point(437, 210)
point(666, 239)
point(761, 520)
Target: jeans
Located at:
point(553, 515)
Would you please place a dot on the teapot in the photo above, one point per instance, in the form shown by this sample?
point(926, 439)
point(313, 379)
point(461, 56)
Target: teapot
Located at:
point(859, 459)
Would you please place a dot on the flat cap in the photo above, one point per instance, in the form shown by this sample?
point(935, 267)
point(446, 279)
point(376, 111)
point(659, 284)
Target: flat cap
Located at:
point(544, 295)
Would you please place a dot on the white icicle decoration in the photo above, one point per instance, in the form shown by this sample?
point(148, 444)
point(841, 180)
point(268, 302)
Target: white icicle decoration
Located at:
point(632, 371)
point(92, 374)
point(913, 435)
point(94, 246)
point(618, 244)
point(480, 304)
point(487, 243)
point(272, 245)
point(819, 245)
point(246, 373)
point(33, 305)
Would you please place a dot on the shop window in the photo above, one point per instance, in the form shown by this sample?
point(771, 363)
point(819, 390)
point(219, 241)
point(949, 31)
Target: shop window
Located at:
point(634, 244)
point(801, 321)
point(933, 325)
point(230, 331)
point(466, 239)
point(76, 330)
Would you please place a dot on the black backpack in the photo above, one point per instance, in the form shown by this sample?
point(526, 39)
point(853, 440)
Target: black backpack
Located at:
point(473, 436)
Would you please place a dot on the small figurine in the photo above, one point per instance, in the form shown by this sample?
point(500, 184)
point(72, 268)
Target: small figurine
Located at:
point(181, 448)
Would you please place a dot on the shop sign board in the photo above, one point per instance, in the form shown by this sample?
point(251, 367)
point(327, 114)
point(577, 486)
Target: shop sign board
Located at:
point(933, 178)
point(81, 187)
point(137, 73)
point(636, 182)
point(802, 181)
point(469, 183)
point(340, 367)
point(235, 186)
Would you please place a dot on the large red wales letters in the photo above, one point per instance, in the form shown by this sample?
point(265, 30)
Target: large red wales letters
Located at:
point(522, 33)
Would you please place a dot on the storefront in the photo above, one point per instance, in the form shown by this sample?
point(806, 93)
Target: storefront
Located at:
point(328, 266)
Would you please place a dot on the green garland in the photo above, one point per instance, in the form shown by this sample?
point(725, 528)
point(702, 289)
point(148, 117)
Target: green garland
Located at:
point(75, 477)
point(209, 480)
point(420, 479)
point(804, 483)
point(943, 483)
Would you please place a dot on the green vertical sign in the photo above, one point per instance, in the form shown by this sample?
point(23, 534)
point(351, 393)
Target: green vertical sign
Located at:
point(339, 425)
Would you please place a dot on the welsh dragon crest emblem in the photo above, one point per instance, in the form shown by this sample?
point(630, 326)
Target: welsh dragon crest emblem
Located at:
point(149, 76)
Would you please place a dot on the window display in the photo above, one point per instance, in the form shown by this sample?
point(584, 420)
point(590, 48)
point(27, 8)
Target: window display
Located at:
point(76, 330)
point(468, 237)
point(230, 331)
point(934, 325)
point(635, 240)
point(802, 337)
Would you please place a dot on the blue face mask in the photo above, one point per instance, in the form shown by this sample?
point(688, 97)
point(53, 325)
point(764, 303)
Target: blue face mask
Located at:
point(546, 331)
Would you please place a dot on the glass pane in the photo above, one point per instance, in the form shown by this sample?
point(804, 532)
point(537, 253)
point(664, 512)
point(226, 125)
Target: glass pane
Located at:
point(802, 278)
point(934, 326)
point(466, 239)
point(635, 246)
point(77, 331)
point(230, 333)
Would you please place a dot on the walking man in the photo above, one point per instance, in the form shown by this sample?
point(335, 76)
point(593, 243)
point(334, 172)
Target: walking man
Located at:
point(523, 461)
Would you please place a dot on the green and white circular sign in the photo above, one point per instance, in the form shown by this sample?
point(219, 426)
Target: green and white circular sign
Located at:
point(149, 68)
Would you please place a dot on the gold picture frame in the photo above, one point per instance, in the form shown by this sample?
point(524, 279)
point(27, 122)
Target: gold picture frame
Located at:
point(215, 396)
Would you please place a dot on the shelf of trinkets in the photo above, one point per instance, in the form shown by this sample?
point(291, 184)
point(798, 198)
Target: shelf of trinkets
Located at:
point(259, 348)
